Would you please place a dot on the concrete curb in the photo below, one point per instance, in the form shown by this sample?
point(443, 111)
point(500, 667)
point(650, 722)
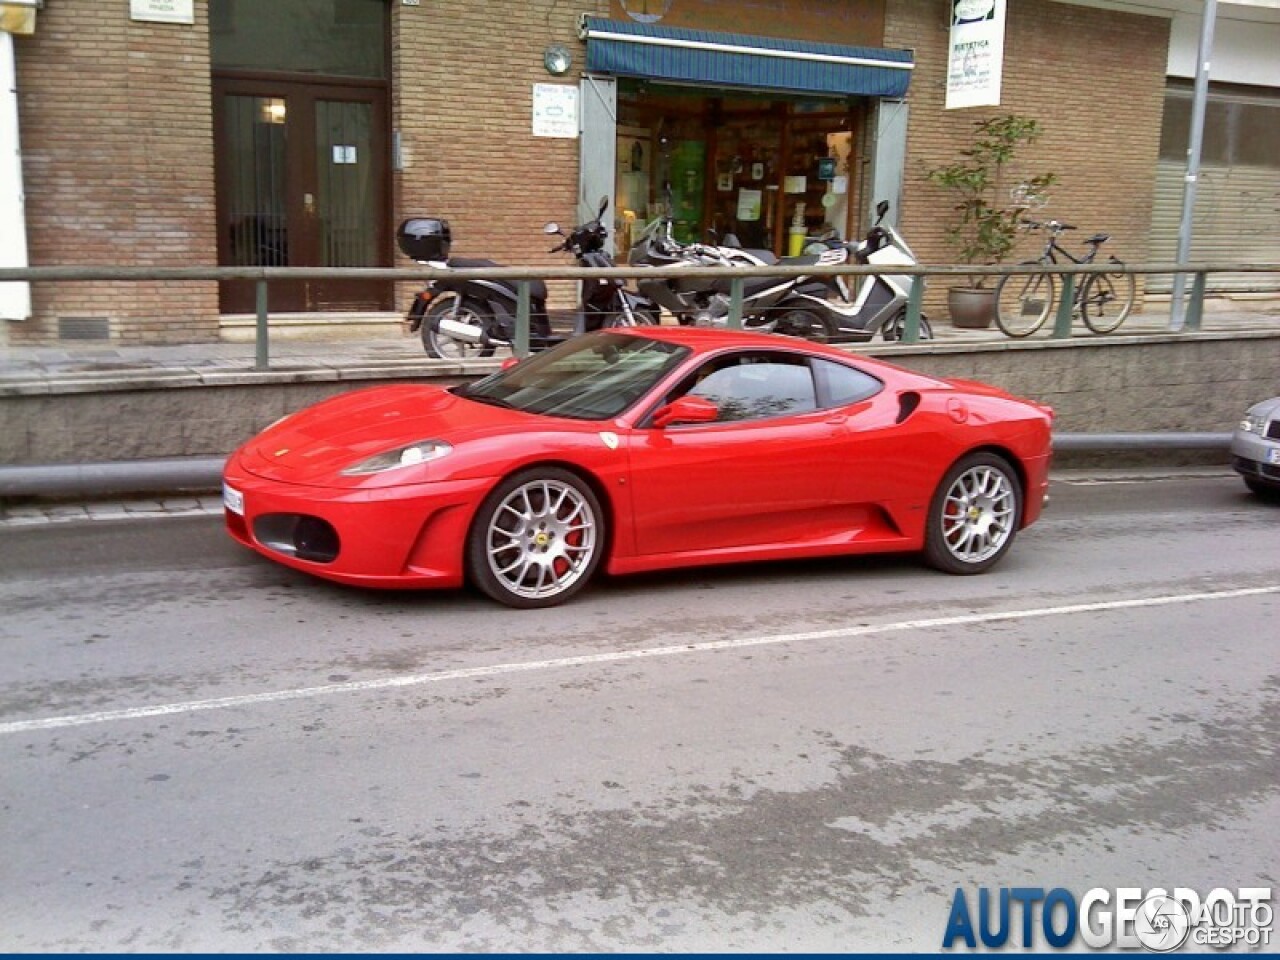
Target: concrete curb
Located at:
point(199, 474)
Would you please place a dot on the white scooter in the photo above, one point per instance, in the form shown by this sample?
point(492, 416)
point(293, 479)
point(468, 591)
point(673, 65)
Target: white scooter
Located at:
point(879, 302)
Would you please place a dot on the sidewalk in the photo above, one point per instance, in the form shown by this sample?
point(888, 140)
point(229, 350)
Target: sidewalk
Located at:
point(99, 361)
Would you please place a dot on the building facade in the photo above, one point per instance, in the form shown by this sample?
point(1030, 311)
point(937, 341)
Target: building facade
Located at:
point(300, 132)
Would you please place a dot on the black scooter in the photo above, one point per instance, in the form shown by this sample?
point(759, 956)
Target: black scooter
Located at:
point(470, 317)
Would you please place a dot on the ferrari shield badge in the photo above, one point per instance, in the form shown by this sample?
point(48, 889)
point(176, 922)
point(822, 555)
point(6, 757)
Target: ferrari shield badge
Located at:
point(609, 439)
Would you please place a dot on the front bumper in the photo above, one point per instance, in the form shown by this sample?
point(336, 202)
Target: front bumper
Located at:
point(1256, 457)
point(394, 537)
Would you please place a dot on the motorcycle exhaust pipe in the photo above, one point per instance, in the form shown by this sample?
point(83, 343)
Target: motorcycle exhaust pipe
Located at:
point(458, 330)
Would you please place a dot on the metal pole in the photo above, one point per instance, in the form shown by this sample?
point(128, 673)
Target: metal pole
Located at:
point(735, 303)
point(263, 350)
point(1177, 309)
point(911, 325)
point(523, 294)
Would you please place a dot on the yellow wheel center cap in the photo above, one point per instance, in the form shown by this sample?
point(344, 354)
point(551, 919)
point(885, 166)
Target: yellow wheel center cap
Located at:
point(975, 513)
point(542, 538)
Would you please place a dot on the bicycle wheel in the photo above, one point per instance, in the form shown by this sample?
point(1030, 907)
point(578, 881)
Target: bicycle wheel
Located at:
point(1023, 302)
point(1106, 300)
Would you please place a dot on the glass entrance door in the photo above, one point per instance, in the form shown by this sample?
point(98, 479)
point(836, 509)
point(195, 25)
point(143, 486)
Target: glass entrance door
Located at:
point(302, 183)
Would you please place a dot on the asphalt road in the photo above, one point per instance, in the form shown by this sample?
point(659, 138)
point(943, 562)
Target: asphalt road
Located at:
point(203, 751)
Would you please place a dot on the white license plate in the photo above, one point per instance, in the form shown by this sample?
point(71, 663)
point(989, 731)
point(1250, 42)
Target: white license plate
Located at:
point(1273, 455)
point(233, 499)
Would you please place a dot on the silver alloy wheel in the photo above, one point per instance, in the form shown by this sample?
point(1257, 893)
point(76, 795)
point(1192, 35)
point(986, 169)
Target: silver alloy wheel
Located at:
point(541, 538)
point(978, 514)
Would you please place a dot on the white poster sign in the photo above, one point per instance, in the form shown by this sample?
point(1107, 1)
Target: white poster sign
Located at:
point(163, 11)
point(555, 110)
point(976, 57)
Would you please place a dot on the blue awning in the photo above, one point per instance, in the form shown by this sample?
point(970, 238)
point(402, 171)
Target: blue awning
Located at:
point(704, 57)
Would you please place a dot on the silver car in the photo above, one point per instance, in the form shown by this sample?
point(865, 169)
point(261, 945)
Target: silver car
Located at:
point(1255, 448)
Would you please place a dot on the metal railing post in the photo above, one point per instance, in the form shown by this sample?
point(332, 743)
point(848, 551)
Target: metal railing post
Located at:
point(1066, 307)
point(911, 325)
point(735, 303)
point(522, 318)
point(262, 350)
point(1195, 309)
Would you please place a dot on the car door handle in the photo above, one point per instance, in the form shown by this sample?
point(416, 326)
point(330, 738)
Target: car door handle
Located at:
point(837, 419)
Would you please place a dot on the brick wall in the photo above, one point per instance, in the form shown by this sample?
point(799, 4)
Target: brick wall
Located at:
point(118, 162)
point(463, 101)
point(1095, 80)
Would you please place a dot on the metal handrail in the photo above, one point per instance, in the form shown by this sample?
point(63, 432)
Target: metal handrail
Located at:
point(524, 276)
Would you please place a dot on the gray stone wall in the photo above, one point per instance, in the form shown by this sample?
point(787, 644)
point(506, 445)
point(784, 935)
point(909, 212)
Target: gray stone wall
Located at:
point(1200, 382)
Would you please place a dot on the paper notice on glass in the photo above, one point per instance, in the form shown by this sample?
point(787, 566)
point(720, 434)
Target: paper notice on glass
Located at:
point(795, 184)
point(840, 185)
point(749, 204)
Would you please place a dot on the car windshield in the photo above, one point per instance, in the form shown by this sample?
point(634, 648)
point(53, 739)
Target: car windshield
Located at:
point(594, 377)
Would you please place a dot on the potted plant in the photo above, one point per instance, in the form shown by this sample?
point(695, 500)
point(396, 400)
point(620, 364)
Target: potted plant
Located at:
point(985, 229)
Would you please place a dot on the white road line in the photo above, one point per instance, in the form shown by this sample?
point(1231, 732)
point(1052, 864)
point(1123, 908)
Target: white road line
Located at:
point(620, 656)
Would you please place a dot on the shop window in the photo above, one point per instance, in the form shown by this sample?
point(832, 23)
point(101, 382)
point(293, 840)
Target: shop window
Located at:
point(1240, 128)
point(338, 38)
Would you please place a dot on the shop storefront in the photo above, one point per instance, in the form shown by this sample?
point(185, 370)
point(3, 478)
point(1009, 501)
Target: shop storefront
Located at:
point(772, 140)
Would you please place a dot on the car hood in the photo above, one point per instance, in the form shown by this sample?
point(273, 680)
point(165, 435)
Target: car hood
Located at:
point(317, 443)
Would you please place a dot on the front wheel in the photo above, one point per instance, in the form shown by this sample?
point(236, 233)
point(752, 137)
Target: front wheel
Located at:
point(974, 515)
point(470, 340)
point(536, 539)
point(1023, 302)
point(1106, 300)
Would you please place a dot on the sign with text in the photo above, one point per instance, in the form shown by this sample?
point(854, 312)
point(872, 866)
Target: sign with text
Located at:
point(555, 110)
point(975, 60)
point(163, 11)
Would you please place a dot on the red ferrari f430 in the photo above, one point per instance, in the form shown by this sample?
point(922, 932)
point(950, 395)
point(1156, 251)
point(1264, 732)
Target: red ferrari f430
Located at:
point(641, 449)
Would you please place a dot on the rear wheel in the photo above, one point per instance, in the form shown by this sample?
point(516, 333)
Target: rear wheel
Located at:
point(802, 322)
point(974, 515)
point(897, 324)
point(444, 346)
point(1023, 302)
point(1106, 300)
point(536, 539)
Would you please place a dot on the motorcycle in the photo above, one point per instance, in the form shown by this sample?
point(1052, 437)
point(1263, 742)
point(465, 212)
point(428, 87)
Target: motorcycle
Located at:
point(819, 308)
point(462, 318)
point(879, 304)
point(698, 301)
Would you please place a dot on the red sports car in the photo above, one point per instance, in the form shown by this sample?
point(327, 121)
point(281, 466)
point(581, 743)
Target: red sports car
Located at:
point(641, 449)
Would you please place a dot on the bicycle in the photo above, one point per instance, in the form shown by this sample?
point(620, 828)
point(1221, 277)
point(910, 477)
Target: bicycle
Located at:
point(1024, 301)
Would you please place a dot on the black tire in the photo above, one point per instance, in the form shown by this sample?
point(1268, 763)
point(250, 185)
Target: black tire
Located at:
point(1106, 300)
point(1267, 491)
point(1024, 301)
point(805, 323)
point(974, 515)
point(441, 346)
point(894, 327)
point(537, 539)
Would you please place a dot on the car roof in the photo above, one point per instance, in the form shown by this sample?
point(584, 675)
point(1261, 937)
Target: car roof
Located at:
point(707, 339)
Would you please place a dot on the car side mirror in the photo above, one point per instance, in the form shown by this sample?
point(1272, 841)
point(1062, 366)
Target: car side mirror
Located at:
point(881, 209)
point(551, 228)
point(686, 409)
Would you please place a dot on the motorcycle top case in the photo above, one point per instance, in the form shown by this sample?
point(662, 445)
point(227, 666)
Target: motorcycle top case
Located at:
point(424, 238)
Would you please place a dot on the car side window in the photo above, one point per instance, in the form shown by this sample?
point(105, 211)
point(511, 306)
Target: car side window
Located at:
point(839, 385)
point(752, 386)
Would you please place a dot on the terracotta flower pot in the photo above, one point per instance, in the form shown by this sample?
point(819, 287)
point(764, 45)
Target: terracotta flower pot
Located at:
point(972, 307)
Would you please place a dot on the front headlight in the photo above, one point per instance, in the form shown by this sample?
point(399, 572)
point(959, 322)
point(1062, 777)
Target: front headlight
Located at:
point(1254, 423)
point(408, 456)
